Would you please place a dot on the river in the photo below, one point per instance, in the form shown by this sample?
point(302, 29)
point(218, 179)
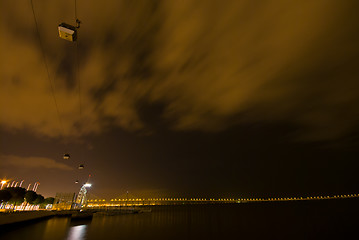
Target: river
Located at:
point(318, 219)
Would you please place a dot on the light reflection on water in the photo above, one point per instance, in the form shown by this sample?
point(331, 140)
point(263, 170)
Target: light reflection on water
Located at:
point(304, 220)
point(56, 228)
point(77, 232)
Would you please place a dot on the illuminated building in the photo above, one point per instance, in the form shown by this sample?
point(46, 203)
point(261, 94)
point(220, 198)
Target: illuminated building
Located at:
point(82, 196)
point(64, 201)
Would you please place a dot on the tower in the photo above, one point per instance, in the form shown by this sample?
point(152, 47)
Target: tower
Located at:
point(82, 196)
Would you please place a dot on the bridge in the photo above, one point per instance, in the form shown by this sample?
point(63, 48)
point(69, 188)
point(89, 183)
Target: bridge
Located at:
point(122, 202)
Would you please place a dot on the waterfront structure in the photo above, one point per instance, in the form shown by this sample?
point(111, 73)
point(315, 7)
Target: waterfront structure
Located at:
point(64, 201)
point(126, 202)
point(82, 196)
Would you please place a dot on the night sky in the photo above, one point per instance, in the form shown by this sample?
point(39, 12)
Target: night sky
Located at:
point(182, 98)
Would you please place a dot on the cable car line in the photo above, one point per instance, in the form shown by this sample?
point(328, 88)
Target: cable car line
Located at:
point(76, 9)
point(78, 22)
point(70, 33)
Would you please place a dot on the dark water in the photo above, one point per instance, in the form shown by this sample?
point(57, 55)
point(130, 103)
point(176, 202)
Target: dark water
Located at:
point(324, 219)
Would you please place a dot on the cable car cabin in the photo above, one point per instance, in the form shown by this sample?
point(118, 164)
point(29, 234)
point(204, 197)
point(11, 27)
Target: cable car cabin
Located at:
point(81, 166)
point(66, 156)
point(67, 32)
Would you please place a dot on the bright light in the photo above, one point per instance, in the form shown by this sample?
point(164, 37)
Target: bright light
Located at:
point(87, 185)
point(77, 232)
point(2, 183)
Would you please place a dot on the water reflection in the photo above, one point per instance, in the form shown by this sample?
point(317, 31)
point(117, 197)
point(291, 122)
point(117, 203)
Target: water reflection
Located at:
point(292, 220)
point(77, 232)
point(56, 228)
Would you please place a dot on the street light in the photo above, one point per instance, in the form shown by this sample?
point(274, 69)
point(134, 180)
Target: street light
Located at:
point(2, 183)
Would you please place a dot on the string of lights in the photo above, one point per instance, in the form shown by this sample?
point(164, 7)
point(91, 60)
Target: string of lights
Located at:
point(164, 201)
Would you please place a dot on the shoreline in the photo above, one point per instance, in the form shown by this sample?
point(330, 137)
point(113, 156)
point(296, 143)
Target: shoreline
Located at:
point(10, 219)
point(18, 218)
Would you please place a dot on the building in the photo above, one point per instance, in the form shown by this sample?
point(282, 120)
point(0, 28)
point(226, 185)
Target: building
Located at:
point(81, 200)
point(64, 201)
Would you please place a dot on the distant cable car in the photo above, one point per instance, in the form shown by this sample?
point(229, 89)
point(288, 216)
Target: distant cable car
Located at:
point(77, 181)
point(66, 156)
point(68, 32)
point(81, 166)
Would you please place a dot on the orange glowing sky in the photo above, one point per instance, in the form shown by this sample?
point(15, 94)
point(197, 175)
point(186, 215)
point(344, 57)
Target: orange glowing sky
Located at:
point(214, 89)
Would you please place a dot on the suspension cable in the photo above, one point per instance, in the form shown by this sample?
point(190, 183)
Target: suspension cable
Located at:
point(78, 76)
point(47, 68)
point(75, 9)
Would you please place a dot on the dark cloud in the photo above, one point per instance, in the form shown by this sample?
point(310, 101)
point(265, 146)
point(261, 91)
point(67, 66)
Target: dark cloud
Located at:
point(31, 163)
point(209, 65)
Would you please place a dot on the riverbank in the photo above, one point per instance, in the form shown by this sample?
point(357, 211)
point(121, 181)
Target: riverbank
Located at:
point(24, 217)
point(11, 218)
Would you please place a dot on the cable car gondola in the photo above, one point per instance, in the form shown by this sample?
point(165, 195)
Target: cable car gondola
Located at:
point(66, 156)
point(81, 166)
point(68, 32)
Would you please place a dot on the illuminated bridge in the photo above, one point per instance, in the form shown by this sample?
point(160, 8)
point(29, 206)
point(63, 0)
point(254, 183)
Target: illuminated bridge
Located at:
point(119, 202)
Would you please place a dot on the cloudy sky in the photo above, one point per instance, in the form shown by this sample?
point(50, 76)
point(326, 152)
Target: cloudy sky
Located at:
point(173, 98)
